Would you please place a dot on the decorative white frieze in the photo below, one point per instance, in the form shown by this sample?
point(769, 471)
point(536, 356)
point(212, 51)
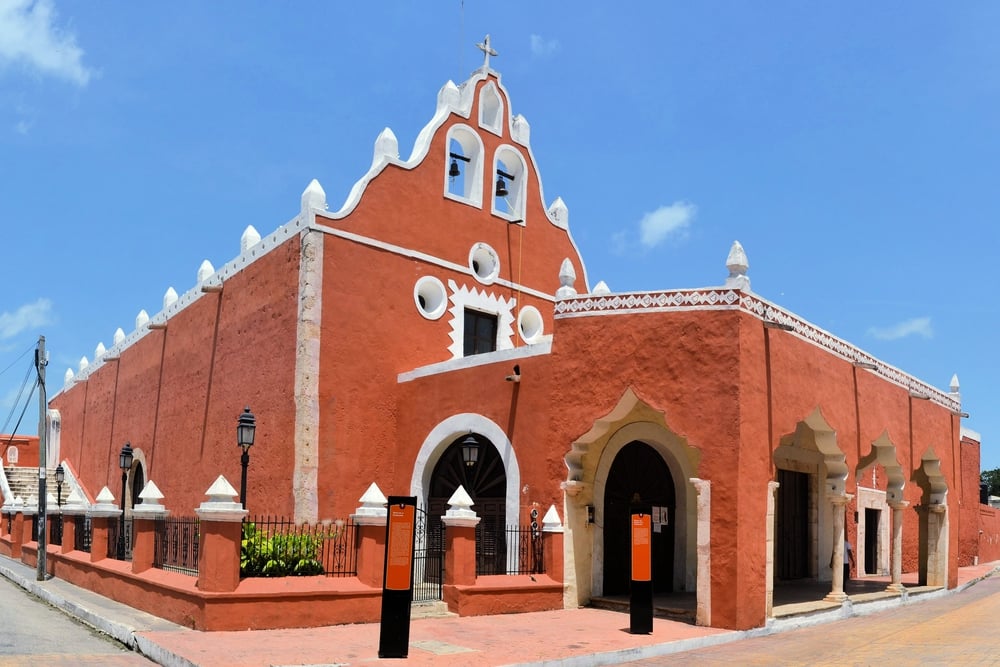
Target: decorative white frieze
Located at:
point(720, 298)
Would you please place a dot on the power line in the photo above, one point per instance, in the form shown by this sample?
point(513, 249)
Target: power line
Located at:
point(20, 392)
point(11, 365)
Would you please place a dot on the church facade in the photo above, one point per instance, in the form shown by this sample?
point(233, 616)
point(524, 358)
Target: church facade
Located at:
point(445, 305)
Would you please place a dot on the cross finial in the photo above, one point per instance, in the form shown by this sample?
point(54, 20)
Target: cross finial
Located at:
point(487, 50)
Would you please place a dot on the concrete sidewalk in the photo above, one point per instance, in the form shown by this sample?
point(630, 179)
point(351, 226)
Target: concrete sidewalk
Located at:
point(576, 637)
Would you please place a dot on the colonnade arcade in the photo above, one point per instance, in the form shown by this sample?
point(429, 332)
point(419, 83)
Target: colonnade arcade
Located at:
point(807, 505)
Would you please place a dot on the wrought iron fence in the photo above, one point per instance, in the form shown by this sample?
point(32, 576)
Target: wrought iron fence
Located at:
point(120, 545)
point(83, 533)
point(56, 529)
point(276, 547)
point(510, 550)
point(175, 545)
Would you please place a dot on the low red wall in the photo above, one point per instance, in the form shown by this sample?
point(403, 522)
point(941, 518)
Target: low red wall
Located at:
point(256, 604)
point(287, 602)
point(989, 534)
point(505, 594)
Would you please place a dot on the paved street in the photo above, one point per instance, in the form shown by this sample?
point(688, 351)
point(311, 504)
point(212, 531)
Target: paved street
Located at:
point(36, 634)
point(960, 629)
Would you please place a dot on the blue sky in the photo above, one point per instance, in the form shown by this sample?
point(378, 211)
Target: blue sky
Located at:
point(852, 148)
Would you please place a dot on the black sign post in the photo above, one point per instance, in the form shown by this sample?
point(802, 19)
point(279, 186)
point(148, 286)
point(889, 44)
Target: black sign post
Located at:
point(641, 598)
point(397, 585)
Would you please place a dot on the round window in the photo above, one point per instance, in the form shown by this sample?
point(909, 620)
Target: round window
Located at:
point(484, 262)
point(430, 297)
point(530, 324)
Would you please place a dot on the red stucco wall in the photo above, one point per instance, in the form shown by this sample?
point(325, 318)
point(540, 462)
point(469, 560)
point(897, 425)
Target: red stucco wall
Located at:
point(175, 394)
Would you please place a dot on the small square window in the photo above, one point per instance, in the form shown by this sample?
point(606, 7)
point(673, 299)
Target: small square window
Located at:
point(480, 332)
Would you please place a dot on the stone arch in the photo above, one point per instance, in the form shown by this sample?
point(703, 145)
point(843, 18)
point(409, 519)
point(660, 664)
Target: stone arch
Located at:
point(811, 449)
point(589, 461)
point(933, 520)
point(872, 542)
point(132, 490)
point(444, 434)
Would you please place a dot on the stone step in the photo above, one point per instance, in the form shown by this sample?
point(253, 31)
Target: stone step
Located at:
point(24, 482)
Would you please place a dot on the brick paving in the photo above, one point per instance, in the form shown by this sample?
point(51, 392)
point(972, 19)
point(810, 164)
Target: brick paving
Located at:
point(567, 638)
point(959, 629)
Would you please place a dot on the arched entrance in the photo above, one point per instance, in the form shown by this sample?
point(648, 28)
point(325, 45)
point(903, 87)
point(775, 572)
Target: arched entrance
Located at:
point(137, 482)
point(485, 480)
point(638, 475)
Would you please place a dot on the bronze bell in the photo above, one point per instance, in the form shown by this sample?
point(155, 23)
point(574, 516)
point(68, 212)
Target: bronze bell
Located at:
point(453, 171)
point(501, 187)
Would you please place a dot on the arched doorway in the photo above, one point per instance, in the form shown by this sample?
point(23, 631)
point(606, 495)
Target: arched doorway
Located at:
point(638, 475)
point(138, 482)
point(485, 480)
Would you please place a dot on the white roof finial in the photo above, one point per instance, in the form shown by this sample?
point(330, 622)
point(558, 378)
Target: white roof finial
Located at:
point(737, 264)
point(567, 276)
point(313, 197)
point(250, 238)
point(954, 386)
point(205, 271)
point(487, 50)
point(169, 297)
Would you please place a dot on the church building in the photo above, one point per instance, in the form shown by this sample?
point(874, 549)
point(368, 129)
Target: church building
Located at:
point(439, 329)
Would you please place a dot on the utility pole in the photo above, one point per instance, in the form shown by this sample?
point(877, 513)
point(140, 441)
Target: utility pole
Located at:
point(40, 363)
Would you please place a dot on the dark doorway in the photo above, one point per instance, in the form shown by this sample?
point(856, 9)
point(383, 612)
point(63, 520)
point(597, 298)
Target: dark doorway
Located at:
point(138, 482)
point(792, 557)
point(872, 517)
point(638, 475)
point(486, 483)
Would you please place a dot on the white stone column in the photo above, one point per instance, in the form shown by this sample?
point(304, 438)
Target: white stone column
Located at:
point(772, 493)
point(937, 547)
point(703, 602)
point(836, 593)
point(897, 546)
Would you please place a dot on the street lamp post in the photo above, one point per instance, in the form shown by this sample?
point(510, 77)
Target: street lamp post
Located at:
point(60, 478)
point(246, 425)
point(125, 463)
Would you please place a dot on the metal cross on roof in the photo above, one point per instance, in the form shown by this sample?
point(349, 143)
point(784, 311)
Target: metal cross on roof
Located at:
point(487, 50)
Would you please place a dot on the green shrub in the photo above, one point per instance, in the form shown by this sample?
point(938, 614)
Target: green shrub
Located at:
point(262, 555)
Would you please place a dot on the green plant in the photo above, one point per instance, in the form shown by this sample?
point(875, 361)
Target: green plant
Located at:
point(263, 555)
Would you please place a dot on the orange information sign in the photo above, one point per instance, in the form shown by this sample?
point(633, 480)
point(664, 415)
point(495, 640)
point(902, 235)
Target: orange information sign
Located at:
point(399, 550)
point(642, 548)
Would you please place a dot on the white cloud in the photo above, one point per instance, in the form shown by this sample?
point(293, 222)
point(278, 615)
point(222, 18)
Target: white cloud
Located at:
point(665, 221)
point(542, 47)
point(29, 36)
point(23, 127)
point(918, 326)
point(28, 316)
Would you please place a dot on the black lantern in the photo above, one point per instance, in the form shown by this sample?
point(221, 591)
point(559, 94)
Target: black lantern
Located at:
point(60, 478)
point(125, 463)
point(470, 450)
point(246, 427)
